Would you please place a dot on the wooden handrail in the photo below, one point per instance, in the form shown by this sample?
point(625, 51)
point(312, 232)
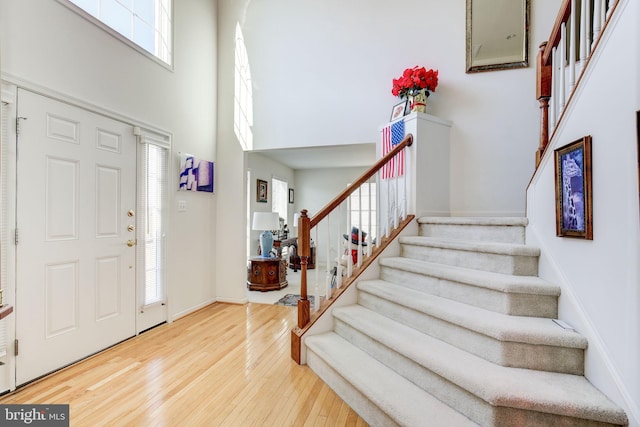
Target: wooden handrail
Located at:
point(305, 224)
point(406, 142)
point(554, 40)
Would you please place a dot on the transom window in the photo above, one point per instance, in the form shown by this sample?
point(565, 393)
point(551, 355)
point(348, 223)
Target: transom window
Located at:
point(145, 23)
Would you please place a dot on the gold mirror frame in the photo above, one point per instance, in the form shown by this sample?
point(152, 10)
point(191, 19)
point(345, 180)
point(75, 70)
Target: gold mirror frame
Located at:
point(498, 26)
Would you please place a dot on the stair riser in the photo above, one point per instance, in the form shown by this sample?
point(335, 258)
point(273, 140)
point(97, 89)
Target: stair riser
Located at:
point(472, 406)
point(476, 233)
point(501, 302)
point(518, 265)
point(511, 354)
point(368, 410)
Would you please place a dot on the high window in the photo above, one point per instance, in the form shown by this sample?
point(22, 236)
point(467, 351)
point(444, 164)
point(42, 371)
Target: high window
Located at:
point(243, 94)
point(144, 24)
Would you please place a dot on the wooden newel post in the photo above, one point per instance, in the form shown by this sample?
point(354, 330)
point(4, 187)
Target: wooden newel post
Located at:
point(543, 94)
point(304, 250)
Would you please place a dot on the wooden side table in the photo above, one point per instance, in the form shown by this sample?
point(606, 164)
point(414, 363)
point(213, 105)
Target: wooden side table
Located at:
point(267, 274)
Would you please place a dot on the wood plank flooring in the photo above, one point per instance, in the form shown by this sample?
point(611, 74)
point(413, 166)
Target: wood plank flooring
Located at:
point(224, 365)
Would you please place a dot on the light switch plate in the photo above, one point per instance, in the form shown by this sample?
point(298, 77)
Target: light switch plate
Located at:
point(182, 205)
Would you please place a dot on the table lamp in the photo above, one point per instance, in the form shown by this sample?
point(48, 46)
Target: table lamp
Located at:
point(266, 221)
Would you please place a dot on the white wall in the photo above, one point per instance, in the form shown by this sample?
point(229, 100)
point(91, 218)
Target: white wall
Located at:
point(599, 278)
point(44, 44)
point(322, 75)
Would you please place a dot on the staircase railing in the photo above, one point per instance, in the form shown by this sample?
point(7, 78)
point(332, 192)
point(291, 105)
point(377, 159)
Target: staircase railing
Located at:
point(343, 232)
point(562, 59)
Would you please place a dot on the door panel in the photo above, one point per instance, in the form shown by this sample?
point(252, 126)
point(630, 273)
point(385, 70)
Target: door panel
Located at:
point(75, 279)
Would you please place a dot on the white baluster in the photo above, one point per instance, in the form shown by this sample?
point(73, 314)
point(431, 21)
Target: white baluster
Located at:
point(327, 282)
point(572, 45)
point(584, 36)
point(597, 20)
point(396, 195)
point(369, 220)
point(349, 260)
point(563, 64)
point(588, 27)
point(339, 251)
point(316, 299)
point(359, 253)
point(553, 104)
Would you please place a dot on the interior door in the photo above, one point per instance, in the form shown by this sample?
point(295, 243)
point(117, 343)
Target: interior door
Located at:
point(75, 278)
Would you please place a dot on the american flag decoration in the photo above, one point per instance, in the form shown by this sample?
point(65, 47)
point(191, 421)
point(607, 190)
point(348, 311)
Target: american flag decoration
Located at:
point(392, 135)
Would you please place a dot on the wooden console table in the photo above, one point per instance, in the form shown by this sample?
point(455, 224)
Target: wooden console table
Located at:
point(267, 274)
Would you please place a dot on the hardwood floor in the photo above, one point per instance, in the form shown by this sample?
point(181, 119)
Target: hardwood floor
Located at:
point(224, 365)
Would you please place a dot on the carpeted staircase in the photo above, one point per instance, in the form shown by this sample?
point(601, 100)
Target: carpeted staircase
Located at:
point(459, 331)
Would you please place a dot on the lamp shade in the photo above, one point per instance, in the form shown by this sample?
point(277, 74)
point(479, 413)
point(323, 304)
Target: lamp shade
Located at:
point(266, 221)
point(296, 217)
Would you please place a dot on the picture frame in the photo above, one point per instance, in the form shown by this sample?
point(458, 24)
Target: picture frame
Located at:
point(398, 110)
point(574, 200)
point(291, 195)
point(262, 194)
point(195, 174)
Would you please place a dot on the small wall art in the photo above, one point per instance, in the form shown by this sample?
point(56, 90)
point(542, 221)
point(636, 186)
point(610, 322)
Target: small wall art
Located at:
point(262, 195)
point(195, 174)
point(291, 195)
point(573, 190)
point(398, 110)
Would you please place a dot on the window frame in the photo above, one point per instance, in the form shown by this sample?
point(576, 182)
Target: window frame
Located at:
point(135, 46)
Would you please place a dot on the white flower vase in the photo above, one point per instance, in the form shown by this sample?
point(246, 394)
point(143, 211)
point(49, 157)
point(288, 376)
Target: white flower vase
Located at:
point(418, 101)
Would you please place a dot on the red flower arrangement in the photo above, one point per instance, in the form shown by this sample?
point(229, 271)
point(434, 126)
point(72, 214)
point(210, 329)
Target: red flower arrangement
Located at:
point(413, 80)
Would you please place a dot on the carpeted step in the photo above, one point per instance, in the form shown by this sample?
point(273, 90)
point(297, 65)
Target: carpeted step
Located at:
point(503, 258)
point(515, 341)
point(379, 395)
point(489, 394)
point(497, 229)
point(503, 293)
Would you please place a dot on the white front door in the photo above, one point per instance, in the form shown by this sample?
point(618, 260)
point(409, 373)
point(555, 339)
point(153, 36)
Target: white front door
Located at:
point(75, 278)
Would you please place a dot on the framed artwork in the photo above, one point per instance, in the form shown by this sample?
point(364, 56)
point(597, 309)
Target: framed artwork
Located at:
point(195, 174)
point(573, 190)
point(291, 195)
point(398, 110)
point(261, 192)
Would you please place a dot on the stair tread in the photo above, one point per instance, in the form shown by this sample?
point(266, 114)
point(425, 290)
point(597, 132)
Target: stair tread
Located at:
point(399, 398)
point(512, 249)
point(452, 220)
point(556, 393)
point(503, 327)
point(485, 279)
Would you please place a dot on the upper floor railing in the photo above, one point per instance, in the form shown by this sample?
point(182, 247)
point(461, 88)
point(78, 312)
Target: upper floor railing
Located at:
point(563, 58)
point(349, 232)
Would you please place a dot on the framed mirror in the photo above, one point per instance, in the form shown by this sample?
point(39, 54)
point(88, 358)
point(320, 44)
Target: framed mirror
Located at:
point(497, 35)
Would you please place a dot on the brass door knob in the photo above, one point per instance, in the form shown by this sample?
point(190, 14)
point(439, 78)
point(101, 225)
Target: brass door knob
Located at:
point(131, 243)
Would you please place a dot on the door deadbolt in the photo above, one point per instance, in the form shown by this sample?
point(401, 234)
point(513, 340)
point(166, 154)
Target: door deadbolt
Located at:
point(131, 243)
point(131, 228)
point(131, 213)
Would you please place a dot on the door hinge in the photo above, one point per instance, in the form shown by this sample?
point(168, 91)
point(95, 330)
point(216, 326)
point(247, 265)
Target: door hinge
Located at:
point(18, 119)
point(15, 347)
point(16, 237)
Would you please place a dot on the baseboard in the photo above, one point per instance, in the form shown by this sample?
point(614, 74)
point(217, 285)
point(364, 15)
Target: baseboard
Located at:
point(191, 310)
point(518, 214)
